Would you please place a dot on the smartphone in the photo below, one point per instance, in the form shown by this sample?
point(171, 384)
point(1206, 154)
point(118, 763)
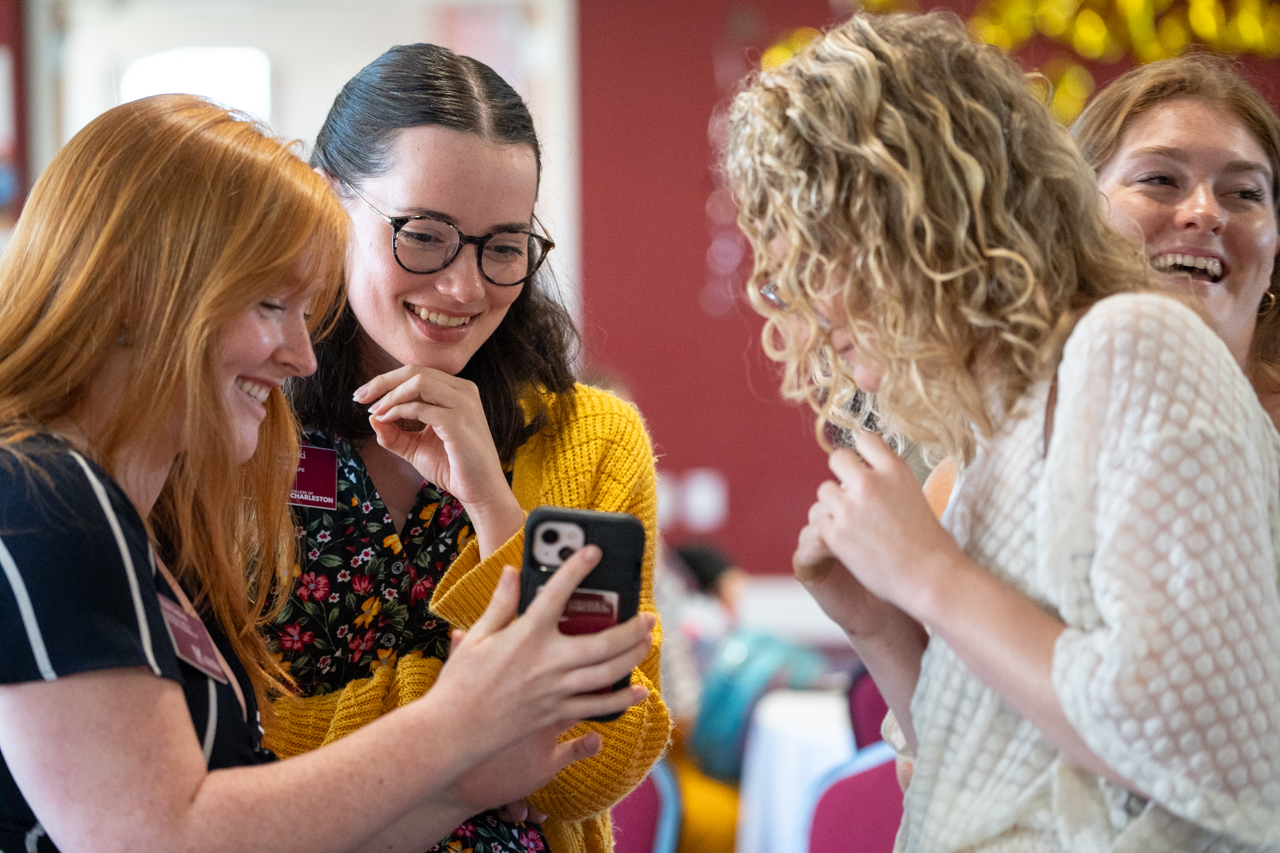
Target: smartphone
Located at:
point(606, 597)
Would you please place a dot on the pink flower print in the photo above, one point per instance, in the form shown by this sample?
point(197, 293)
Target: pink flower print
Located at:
point(389, 593)
point(341, 632)
point(366, 554)
point(312, 554)
point(366, 507)
point(294, 638)
point(333, 598)
point(355, 562)
point(362, 584)
point(325, 663)
point(323, 536)
point(361, 643)
point(344, 576)
point(312, 586)
point(529, 840)
point(466, 830)
point(449, 511)
point(421, 587)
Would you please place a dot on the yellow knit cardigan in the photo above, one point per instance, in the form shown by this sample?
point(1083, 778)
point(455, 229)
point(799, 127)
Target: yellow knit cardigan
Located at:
point(595, 456)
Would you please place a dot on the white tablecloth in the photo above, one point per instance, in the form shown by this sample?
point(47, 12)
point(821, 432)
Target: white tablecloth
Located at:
point(796, 738)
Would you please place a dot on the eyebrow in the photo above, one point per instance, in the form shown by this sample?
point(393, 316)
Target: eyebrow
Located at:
point(1178, 154)
point(444, 217)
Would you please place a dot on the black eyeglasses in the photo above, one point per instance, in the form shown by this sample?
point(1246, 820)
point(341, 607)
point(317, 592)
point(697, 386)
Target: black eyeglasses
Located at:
point(425, 244)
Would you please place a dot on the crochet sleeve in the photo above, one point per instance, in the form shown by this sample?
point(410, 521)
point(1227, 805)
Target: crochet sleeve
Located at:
point(1157, 530)
point(602, 460)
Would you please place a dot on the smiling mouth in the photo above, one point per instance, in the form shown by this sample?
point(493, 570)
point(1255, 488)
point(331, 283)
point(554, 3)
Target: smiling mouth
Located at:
point(1198, 267)
point(255, 390)
point(444, 321)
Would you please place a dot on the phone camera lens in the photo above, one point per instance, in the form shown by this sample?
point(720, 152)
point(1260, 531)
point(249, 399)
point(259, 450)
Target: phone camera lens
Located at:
point(566, 553)
point(551, 536)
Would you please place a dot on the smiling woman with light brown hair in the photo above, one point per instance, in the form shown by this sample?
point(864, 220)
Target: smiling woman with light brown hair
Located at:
point(1188, 155)
point(1085, 654)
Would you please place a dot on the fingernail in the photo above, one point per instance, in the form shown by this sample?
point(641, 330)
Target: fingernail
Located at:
point(592, 552)
point(649, 620)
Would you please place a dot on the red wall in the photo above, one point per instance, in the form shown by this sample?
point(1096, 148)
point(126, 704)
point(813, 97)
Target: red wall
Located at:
point(710, 396)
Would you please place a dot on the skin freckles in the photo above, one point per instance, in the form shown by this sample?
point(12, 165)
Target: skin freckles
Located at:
point(1201, 201)
point(258, 350)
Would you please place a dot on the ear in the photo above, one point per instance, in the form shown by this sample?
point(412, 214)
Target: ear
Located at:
point(334, 183)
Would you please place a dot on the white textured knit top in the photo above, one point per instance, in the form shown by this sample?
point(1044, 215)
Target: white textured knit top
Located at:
point(1151, 528)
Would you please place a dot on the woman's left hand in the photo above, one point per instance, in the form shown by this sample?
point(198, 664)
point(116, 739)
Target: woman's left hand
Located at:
point(454, 450)
point(878, 523)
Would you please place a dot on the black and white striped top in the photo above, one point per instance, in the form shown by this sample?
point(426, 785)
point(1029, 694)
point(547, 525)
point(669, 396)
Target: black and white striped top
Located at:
point(78, 587)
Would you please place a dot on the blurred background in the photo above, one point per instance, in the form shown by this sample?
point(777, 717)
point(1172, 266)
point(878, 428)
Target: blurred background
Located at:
point(628, 94)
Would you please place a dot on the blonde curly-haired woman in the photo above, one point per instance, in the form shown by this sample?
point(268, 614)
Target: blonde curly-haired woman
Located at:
point(1085, 654)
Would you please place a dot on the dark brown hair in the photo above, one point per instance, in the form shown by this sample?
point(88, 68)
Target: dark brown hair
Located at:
point(412, 86)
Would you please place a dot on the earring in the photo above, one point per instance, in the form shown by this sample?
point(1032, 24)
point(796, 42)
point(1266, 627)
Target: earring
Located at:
point(1267, 304)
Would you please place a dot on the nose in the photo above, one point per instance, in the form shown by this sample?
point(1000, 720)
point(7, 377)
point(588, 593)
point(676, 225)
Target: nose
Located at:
point(462, 280)
point(1202, 211)
point(294, 352)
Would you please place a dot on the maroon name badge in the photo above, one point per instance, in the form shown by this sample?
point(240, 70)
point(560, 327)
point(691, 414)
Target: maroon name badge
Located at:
point(190, 639)
point(589, 611)
point(316, 483)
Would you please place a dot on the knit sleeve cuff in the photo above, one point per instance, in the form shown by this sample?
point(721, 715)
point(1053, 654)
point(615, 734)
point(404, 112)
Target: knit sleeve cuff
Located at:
point(465, 589)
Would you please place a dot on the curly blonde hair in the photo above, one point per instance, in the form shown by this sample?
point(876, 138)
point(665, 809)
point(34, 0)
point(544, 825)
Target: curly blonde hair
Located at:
point(902, 173)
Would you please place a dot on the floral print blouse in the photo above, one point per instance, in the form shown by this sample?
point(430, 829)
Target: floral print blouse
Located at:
point(361, 600)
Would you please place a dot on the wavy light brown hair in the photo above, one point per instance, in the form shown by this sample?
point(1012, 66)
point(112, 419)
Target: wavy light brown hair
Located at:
point(158, 223)
point(1100, 130)
point(910, 177)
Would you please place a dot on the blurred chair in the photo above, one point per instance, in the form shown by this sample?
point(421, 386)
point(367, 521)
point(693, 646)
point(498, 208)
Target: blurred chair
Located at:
point(648, 819)
point(860, 807)
point(866, 708)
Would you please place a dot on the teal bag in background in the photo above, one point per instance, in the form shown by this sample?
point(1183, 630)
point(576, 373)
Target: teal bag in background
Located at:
point(746, 666)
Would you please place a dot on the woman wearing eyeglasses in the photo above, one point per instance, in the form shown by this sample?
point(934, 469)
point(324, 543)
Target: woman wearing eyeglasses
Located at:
point(448, 395)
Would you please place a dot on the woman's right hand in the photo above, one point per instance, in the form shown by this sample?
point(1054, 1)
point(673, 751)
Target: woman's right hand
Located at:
point(838, 592)
point(513, 679)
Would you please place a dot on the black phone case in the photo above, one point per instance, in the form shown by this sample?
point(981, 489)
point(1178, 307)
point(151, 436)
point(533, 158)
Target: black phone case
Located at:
point(620, 537)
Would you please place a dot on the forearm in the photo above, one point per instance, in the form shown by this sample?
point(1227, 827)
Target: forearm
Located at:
point(1007, 640)
point(109, 762)
point(403, 783)
point(893, 658)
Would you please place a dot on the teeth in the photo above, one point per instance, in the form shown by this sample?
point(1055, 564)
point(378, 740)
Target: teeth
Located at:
point(439, 319)
point(1166, 262)
point(254, 390)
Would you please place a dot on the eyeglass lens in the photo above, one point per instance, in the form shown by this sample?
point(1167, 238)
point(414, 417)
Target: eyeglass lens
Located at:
point(428, 245)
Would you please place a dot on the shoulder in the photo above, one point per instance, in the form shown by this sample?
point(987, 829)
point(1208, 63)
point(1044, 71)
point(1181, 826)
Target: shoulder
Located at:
point(46, 485)
point(77, 591)
point(593, 414)
point(1138, 322)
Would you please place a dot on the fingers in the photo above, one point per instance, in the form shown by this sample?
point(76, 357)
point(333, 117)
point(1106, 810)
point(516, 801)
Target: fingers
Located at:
point(588, 705)
point(812, 560)
point(516, 812)
point(502, 606)
point(536, 816)
point(549, 603)
point(574, 750)
point(592, 670)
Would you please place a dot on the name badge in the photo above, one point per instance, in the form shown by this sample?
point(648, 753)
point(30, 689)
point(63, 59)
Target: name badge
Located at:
point(316, 483)
point(190, 639)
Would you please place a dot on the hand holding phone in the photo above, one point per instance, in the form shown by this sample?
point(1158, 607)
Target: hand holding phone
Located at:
point(610, 594)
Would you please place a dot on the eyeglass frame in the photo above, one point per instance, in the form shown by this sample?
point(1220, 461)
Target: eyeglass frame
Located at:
point(769, 293)
point(398, 222)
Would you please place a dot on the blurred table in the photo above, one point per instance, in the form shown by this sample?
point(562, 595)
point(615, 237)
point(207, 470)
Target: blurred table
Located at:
point(796, 738)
